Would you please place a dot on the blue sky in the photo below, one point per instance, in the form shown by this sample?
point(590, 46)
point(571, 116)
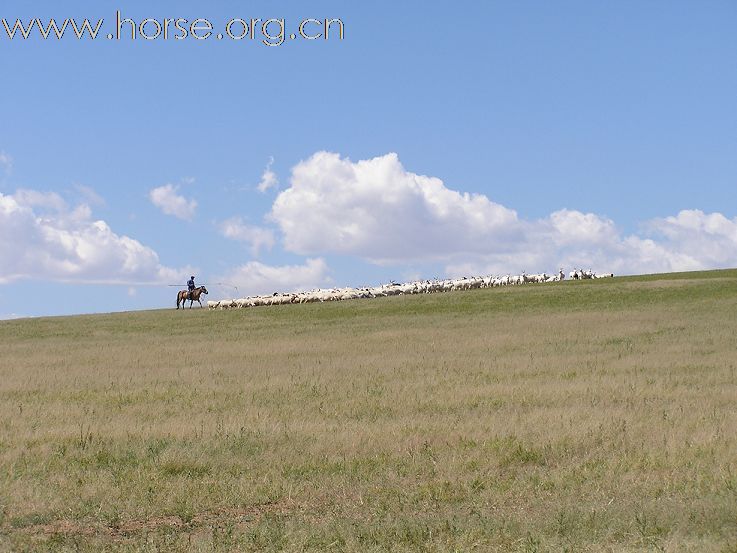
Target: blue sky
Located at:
point(437, 138)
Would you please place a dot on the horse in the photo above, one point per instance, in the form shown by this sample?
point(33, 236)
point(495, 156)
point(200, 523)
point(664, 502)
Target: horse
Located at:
point(185, 295)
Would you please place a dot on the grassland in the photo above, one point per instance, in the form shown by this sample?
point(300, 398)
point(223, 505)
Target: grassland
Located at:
point(580, 416)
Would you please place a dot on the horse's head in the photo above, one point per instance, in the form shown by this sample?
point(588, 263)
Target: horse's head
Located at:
point(204, 290)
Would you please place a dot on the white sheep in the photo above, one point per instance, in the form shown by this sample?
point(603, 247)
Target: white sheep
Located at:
point(395, 289)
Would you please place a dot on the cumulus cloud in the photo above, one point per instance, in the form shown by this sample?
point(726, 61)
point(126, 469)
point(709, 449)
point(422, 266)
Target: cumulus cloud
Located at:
point(690, 241)
point(704, 239)
point(42, 237)
point(167, 199)
point(36, 199)
point(377, 210)
point(257, 278)
point(255, 237)
point(268, 179)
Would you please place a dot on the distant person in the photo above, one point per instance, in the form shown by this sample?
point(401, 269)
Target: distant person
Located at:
point(190, 286)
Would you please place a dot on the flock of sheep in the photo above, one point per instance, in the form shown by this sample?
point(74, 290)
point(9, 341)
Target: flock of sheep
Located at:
point(395, 289)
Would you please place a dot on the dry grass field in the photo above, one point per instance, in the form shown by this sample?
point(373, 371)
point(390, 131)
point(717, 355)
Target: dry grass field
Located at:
point(579, 416)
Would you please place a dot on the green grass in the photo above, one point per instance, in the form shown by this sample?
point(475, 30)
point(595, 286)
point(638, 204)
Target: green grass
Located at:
point(578, 416)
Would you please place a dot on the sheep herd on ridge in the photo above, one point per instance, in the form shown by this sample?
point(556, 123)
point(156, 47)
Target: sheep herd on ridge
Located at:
point(395, 289)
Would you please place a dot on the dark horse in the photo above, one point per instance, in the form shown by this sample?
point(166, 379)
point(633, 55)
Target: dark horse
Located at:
point(194, 296)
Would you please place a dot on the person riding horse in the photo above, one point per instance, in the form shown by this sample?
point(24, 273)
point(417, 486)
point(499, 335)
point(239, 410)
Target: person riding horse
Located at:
point(190, 287)
point(193, 295)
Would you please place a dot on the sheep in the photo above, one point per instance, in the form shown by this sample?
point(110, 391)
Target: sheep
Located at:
point(395, 289)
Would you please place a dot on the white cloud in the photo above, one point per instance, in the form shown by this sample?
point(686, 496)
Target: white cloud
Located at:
point(170, 202)
point(42, 237)
point(377, 210)
point(6, 162)
point(690, 241)
point(257, 278)
point(43, 200)
point(268, 179)
point(704, 239)
point(256, 237)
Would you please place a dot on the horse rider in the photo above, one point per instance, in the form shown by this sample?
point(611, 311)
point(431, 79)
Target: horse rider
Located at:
point(191, 287)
